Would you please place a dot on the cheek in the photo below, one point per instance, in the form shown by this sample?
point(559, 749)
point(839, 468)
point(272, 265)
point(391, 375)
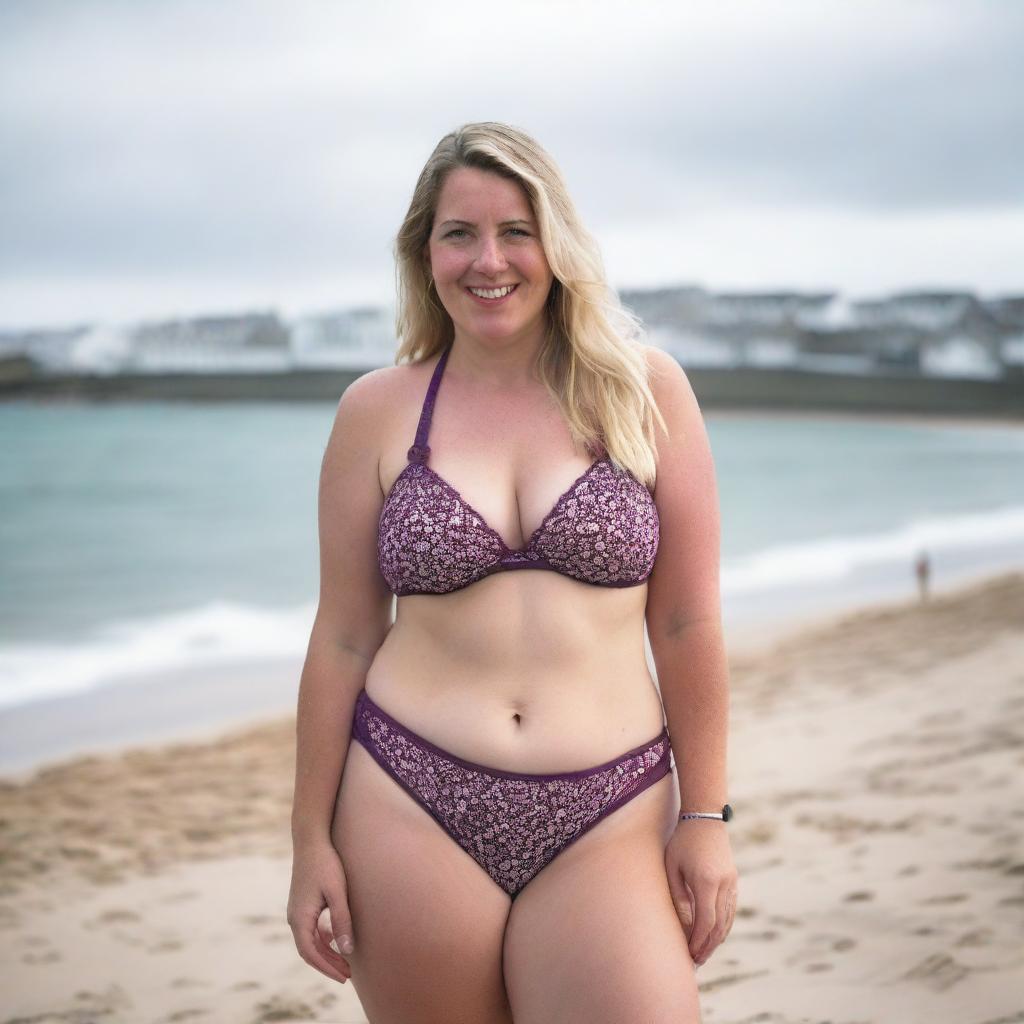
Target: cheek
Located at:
point(448, 266)
point(539, 269)
point(541, 274)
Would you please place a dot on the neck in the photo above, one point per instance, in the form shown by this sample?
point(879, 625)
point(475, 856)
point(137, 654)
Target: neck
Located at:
point(502, 365)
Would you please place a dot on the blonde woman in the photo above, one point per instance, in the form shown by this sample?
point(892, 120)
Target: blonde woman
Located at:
point(502, 840)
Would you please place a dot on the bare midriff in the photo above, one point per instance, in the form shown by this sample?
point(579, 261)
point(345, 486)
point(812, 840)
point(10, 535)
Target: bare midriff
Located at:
point(524, 671)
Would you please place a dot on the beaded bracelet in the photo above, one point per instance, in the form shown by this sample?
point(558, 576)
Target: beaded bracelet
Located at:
point(724, 815)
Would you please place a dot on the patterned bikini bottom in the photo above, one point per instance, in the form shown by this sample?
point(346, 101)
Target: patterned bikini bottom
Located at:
point(511, 823)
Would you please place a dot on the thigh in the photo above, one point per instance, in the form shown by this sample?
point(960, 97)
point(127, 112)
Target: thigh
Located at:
point(594, 937)
point(428, 920)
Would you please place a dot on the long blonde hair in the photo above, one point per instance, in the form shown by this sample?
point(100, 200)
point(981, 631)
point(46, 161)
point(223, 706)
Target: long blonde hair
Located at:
point(591, 360)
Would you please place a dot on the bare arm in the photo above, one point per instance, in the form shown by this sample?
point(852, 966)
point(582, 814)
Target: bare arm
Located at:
point(683, 612)
point(353, 614)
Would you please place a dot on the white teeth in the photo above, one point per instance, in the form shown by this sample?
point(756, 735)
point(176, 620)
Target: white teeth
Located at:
point(492, 293)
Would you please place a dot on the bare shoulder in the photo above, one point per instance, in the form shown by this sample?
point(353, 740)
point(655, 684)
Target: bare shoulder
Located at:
point(368, 404)
point(663, 366)
point(671, 388)
point(659, 360)
point(365, 395)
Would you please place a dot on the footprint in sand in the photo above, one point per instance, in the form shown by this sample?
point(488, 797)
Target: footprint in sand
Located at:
point(949, 897)
point(257, 919)
point(244, 986)
point(993, 864)
point(278, 1008)
point(977, 937)
point(114, 916)
point(99, 1004)
point(939, 972)
point(189, 983)
point(166, 946)
point(761, 833)
point(710, 984)
point(859, 896)
point(49, 956)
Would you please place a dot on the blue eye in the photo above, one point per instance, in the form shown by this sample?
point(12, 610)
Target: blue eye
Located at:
point(460, 231)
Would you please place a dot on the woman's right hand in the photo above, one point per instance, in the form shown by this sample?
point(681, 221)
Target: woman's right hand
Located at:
point(319, 888)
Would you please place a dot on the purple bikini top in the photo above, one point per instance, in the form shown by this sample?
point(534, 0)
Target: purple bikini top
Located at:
point(602, 530)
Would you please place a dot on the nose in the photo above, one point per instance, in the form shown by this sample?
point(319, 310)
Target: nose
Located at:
point(490, 259)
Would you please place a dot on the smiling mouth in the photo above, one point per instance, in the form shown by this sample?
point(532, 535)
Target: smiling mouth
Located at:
point(492, 294)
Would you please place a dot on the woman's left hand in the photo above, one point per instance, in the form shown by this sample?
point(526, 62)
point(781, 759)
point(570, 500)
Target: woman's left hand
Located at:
point(703, 881)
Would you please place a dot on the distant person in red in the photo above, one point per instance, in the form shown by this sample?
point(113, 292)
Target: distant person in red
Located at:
point(922, 568)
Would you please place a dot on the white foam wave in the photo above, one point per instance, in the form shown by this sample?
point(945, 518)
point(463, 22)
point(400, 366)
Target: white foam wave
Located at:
point(834, 558)
point(222, 632)
point(213, 634)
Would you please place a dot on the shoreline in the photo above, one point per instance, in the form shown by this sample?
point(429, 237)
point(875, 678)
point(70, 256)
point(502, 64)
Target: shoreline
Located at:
point(209, 704)
point(939, 418)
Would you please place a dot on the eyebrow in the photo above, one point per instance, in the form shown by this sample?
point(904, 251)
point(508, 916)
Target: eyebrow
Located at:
point(471, 225)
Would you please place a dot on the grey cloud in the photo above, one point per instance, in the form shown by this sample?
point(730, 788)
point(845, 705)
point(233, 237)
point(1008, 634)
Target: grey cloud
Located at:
point(269, 140)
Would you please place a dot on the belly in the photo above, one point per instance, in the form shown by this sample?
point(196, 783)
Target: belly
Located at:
point(536, 675)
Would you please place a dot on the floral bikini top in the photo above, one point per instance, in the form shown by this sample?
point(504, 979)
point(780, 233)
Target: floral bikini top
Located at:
point(602, 530)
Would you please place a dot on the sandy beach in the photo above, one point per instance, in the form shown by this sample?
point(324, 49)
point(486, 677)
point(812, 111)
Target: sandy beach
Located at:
point(875, 766)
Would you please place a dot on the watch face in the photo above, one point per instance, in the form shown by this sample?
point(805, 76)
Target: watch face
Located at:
point(726, 813)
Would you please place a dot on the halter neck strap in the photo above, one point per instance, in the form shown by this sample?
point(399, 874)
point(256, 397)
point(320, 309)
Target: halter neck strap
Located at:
point(420, 449)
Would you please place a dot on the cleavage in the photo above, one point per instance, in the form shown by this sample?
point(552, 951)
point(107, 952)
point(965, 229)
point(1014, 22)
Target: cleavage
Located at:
point(480, 493)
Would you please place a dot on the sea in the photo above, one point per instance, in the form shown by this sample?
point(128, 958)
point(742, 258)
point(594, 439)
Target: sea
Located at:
point(142, 538)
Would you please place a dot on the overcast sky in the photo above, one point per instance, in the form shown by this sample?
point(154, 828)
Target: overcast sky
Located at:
point(172, 158)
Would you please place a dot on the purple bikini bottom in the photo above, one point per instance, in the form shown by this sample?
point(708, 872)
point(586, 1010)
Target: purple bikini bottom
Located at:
point(511, 823)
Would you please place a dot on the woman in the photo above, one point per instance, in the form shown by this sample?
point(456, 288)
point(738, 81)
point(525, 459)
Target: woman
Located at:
point(504, 843)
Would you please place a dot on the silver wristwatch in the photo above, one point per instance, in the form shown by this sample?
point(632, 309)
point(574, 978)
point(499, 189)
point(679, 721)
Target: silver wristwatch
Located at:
point(724, 815)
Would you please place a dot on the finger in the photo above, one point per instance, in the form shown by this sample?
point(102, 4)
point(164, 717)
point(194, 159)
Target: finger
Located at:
point(723, 920)
point(317, 954)
point(335, 928)
point(721, 923)
point(704, 920)
point(341, 925)
point(331, 955)
point(325, 960)
point(682, 901)
point(730, 910)
point(323, 926)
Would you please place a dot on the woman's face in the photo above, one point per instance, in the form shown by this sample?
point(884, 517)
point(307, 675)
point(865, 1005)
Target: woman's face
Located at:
point(485, 237)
